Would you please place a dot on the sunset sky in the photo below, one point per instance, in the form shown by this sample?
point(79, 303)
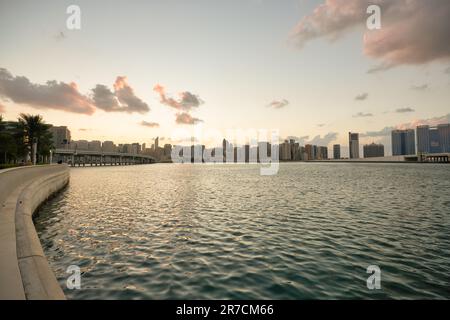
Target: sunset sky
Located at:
point(141, 69)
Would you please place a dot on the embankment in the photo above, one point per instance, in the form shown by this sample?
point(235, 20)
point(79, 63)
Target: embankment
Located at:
point(24, 270)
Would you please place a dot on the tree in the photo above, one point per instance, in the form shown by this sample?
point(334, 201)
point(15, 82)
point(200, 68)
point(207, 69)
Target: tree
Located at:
point(34, 130)
point(8, 148)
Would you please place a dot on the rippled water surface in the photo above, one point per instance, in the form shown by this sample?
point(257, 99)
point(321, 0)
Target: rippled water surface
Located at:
point(223, 231)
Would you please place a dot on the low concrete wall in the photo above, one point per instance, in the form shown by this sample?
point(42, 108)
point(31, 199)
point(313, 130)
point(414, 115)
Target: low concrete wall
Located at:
point(24, 270)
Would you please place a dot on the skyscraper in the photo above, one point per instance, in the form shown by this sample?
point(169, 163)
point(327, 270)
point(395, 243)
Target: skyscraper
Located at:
point(322, 153)
point(373, 150)
point(444, 136)
point(423, 139)
point(309, 152)
point(353, 145)
point(403, 142)
point(337, 151)
point(433, 139)
point(61, 137)
point(156, 143)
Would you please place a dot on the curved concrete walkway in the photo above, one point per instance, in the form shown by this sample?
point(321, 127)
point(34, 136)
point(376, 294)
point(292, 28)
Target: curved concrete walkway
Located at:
point(24, 270)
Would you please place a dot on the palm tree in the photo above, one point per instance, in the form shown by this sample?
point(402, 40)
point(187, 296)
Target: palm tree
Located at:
point(35, 131)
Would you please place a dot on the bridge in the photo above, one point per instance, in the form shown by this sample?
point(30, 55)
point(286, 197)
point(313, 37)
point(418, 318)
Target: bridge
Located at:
point(99, 158)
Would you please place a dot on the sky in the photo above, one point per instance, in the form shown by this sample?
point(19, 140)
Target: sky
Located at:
point(311, 69)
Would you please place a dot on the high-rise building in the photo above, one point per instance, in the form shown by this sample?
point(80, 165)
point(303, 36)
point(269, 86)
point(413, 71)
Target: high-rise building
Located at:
point(295, 151)
point(444, 136)
point(433, 139)
point(108, 146)
point(226, 148)
point(285, 151)
point(353, 145)
point(135, 148)
point(167, 150)
point(79, 145)
point(423, 139)
point(126, 148)
point(156, 145)
point(60, 137)
point(309, 151)
point(403, 142)
point(264, 151)
point(373, 150)
point(322, 153)
point(95, 145)
point(336, 151)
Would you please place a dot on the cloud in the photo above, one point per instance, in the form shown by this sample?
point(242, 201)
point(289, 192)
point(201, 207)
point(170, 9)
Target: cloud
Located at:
point(186, 118)
point(123, 99)
point(380, 67)
point(447, 71)
point(430, 121)
point(52, 95)
point(301, 140)
point(362, 115)
point(325, 140)
point(105, 99)
point(404, 110)
point(320, 125)
point(317, 140)
point(187, 101)
point(404, 37)
point(149, 124)
point(125, 94)
point(386, 131)
point(2, 108)
point(408, 125)
point(84, 129)
point(278, 104)
point(362, 96)
point(419, 87)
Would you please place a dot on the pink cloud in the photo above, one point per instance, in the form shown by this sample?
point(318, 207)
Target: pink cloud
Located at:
point(52, 95)
point(420, 122)
point(186, 118)
point(412, 31)
point(186, 102)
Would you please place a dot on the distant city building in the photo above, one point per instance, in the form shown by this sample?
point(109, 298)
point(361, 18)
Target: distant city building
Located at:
point(227, 150)
point(156, 144)
point(60, 137)
point(285, 151)
point(322, 153)
point(295, 151)
point(336, 151)
point(79, 145)
point(126, 148)
point(265, 149)
point(423, 139)
point(167, 151)
point(309, 151)
point(373, 150)
point(433, 139)
point(95, 145)
point(444, 137)
point(403, 142)
point(247, 153)
point(353, 145)
point(109, 146)
point(135, 148)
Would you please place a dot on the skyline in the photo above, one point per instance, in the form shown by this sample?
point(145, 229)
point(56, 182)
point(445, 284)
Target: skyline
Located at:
point(261, 71)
